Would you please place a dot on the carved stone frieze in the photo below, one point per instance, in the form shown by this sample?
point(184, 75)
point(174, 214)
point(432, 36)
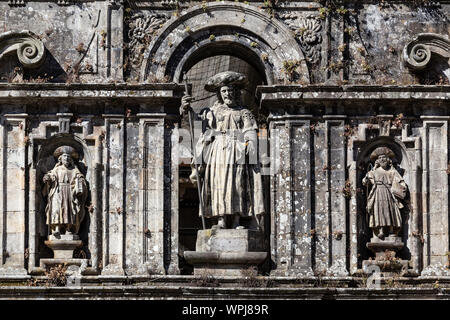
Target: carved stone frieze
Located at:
point(171, 2)
point(16, 3)
point(307, 32)
point(142, 27)
point(21, 3)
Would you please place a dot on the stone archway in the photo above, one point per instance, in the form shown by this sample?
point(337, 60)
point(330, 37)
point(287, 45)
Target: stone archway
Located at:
point(220, 28)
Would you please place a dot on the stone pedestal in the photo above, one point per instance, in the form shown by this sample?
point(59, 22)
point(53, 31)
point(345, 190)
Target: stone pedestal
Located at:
point(385, 256)
point(63, 247)
point(227, 252)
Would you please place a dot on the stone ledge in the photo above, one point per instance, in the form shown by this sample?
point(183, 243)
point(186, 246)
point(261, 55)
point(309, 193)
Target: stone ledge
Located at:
point(49, 91)
point(190, 292)
point(355, 93)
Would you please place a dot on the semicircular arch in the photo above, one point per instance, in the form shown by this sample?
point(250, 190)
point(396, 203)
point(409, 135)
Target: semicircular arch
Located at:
point(234, 29)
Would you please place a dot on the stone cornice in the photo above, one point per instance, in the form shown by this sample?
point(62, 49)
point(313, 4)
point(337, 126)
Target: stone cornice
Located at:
point(12, 93)
point(318, 93)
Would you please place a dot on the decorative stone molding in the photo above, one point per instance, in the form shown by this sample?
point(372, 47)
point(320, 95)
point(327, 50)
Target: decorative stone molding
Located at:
point(64, 2)
point(16, 3)
point(170, 2)
point(30, 49)
point(307, 31)
point(22, 3)
point(417, 53)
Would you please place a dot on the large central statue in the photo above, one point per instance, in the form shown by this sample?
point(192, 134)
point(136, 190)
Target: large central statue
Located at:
point(66, 188)
point(227, 153)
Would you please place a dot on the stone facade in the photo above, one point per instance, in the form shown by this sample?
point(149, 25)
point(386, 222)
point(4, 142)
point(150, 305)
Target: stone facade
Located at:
point(339, 79)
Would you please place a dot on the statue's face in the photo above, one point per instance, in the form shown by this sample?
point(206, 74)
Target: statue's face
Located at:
point(228, 95)
point(384, 161)
point(66, 160)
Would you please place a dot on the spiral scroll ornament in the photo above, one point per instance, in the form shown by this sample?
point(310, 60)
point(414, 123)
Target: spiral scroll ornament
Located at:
point(417, 54)
point(29, 48)
point(31, 53)
point(419, 57)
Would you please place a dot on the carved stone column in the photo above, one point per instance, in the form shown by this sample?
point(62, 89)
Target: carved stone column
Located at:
point(158, 195)
point(291, 238)
point(14, 211)
point(113, 196)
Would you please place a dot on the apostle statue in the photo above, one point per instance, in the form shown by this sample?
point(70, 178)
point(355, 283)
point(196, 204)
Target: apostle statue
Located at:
point(67, 192)
point(385, 198)
point(229, 172)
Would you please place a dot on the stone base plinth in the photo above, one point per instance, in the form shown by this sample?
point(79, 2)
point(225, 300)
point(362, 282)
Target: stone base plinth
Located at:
point(227, 252)
point(229, 240)
point(225, 263)
point(389, 244)
point(63, 246)
point(48, 263)
point(385, 256)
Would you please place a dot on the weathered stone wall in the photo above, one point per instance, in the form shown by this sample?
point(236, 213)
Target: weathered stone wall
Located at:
point(339, 80)
point(324, 229)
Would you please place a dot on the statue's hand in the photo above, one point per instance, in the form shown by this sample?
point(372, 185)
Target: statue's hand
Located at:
point(185, 104)
point(250, 147)
point(193, 176)
point(47, 178)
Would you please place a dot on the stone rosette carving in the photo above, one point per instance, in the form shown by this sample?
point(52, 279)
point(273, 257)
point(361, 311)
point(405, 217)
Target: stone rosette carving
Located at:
point(142, 27)
point(308, 33)
point(29, 48)
point(417, 53)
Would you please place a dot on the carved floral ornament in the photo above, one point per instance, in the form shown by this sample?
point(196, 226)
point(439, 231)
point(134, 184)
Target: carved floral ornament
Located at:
point(29, 48)
point(142, 28)
point(308, 33)
point(417, 53)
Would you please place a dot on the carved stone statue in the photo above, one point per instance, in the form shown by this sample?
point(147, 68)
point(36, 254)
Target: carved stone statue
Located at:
point(67, 192)
point(227, 150)
point(385, 198)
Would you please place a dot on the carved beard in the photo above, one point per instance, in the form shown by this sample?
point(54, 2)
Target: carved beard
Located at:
point(228, 101)
point(384, 164)
point(66, 163)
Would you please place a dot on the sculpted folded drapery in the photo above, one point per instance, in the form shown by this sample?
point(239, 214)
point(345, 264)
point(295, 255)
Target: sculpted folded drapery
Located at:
point(67, 192)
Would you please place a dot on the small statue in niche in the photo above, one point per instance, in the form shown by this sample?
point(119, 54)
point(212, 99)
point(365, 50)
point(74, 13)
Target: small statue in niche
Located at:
point(227, 149)
point(67, 192)
point(384, 201)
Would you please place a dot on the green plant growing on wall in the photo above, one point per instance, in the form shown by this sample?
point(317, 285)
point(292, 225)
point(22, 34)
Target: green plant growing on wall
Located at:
point(290, 68)
point(347, 189)
point(270, 6)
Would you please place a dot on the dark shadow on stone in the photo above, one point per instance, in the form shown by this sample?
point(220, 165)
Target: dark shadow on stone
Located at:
point(434, 75)
point(50, 71)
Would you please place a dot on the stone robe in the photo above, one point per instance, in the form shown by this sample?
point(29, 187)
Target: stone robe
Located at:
point(67, 193)
point(383, 203)
point(231, 184)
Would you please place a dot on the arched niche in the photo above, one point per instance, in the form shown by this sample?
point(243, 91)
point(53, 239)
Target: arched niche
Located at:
point(45, 161)
point(223, 28)
point(402, 164)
